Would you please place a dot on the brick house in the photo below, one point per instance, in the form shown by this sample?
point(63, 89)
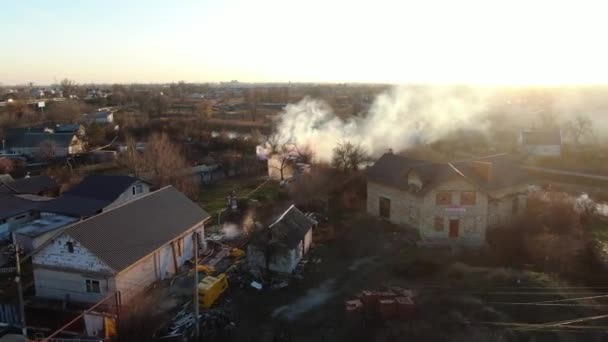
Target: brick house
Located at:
point(449, 203)
point(121, 250)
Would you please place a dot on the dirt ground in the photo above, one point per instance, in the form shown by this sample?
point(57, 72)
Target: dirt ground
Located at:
point(456, 301)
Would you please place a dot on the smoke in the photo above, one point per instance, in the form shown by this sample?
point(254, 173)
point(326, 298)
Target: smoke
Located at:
point(399, 118)
point(231, 230)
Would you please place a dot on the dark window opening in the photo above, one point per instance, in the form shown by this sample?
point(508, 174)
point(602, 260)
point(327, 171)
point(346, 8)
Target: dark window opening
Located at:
point(385, 207)
point(70, 247)
point(468, 198)
point(93, 286)
point(443, 198)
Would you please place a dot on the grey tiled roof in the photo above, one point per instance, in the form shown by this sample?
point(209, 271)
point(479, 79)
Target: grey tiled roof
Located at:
point(392, 170)
point(288, 229)
point(12, 205)
point(31, 185)
point(126, 234)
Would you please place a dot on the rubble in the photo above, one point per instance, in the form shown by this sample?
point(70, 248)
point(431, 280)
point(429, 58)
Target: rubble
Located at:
point(390, 304)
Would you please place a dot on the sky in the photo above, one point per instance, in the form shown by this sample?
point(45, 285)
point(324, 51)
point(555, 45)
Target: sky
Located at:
point(372, 41)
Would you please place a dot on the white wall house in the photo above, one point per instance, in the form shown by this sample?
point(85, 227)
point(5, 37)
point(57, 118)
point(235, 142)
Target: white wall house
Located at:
point(281, 246)
point(541, 143)
point(121, 250)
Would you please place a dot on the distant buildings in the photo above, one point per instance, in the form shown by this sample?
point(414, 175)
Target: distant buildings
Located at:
point(541, 143)
point(39, 142)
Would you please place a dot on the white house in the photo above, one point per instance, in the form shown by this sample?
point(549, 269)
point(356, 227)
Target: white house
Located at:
point(123, 250)
point(541, 143)
point(281, 246)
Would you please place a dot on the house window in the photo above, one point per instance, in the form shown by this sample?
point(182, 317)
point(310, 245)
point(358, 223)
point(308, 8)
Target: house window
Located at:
point(468, 198)
point(439, 224)
point(139, 189)
point(385, 207)
point(93, 286)
point(515, 206)
point(70, 246)
point(443, 198)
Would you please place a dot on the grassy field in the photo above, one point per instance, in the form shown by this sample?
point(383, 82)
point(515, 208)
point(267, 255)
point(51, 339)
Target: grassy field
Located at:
point(213, 196)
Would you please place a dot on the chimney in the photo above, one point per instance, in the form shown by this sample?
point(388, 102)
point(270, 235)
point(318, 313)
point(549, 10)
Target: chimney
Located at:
point(389, 151)
point(483, 170)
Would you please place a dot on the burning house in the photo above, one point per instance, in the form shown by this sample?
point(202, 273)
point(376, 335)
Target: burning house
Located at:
point(280, 247)
point(449, 203)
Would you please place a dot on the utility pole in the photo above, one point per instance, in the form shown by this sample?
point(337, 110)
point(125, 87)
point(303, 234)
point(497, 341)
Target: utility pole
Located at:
point(196, 322)
point(19, 287)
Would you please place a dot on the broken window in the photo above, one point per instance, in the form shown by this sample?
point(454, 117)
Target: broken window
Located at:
point(468, 198)
point(70, 246)
point(93, 286)
point(385, 207)
point(439, 225)
point(515, 207)
point(443, 198)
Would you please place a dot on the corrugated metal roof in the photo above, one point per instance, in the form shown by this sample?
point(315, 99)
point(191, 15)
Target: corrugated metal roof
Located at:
point(288, 230)
point(126, 234)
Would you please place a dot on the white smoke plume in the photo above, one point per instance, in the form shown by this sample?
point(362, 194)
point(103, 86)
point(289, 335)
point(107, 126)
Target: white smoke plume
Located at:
point(399, 118)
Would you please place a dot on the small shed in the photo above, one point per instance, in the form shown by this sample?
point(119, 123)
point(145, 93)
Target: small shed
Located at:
point(281, 246)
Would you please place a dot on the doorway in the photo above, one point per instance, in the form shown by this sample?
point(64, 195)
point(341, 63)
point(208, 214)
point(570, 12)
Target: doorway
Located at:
point(454, 228)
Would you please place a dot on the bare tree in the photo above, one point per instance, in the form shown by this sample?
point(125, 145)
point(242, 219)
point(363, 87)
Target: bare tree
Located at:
point(304, 153)
point(164, 161)
point(65, 112)
point(68, 87)
point(348, 156)
point(579, 127)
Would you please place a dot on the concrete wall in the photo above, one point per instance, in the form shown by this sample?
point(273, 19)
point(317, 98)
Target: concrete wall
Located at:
point(543, 150)
point(56, 254)
point(405, 206)
point(283, 260)
point(472, 219)
point(420, 212)
point(128, 194)
point(68, 285)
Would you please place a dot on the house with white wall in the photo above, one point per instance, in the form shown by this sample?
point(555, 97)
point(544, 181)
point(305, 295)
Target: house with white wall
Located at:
point(122, 250)
point(547, 143)
point(97, 193)
point(281, 246)
point(449, 203)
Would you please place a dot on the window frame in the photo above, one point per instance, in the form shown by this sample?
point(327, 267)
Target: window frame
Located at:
point(474, 198)
point(446, 201)
point(92, 286)
point(382, 208)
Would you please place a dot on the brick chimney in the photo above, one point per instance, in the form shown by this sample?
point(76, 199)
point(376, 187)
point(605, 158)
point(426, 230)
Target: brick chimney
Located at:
point(389, 151)
point(483, 170)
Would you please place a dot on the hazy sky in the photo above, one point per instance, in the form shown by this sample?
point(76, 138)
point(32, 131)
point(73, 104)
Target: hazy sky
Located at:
point(484, 41)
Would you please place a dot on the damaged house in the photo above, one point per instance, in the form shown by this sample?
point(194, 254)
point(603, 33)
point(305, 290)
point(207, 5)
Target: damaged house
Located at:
point(124, 249)
point(280, 247)
point(449, 203)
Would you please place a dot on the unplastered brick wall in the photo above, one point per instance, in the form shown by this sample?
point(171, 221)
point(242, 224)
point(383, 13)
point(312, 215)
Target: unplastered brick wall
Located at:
point(56, 253)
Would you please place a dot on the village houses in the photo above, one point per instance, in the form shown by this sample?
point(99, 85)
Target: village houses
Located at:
point(449, 203)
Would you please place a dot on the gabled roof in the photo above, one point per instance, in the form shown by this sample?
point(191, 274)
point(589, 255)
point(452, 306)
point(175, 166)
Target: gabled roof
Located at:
point(12, 205)
point(536, 138)
point(30, 185)
point(67, 128)
point(90, 196)
point(102, 187)
point(392, 170)
point(36, 139)
point(128, 233)
point(288, 230)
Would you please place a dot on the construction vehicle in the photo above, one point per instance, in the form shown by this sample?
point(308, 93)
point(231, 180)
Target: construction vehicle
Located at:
point(210, 289)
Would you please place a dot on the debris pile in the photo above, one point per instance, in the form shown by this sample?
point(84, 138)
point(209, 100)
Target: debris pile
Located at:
point(393, 303)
